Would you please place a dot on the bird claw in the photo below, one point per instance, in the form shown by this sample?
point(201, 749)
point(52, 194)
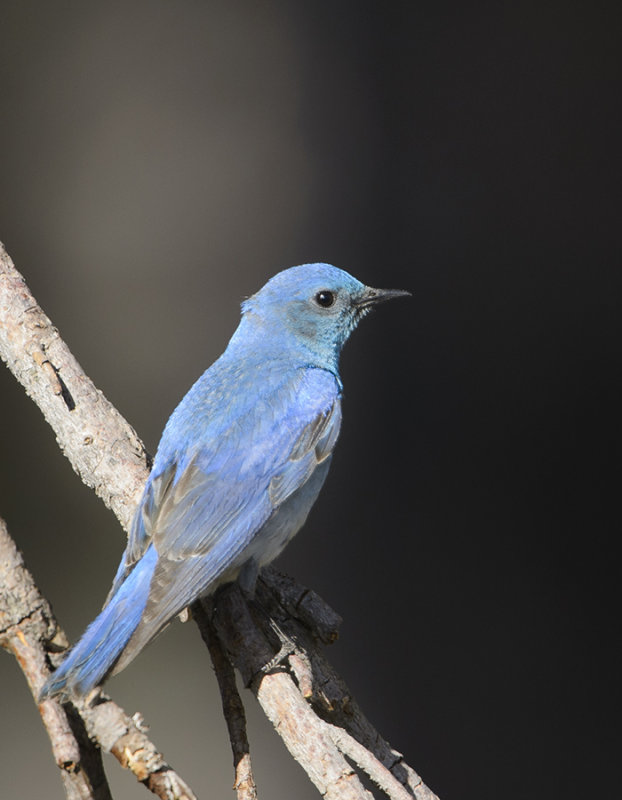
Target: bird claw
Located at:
point(287, 648)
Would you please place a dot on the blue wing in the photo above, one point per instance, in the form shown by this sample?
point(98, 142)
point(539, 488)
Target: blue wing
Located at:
point(208, 499)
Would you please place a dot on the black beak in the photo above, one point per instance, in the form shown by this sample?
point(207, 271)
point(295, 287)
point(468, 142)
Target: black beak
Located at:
point(371, 297)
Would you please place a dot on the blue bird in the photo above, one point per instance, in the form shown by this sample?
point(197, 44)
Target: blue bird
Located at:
point(240, 463)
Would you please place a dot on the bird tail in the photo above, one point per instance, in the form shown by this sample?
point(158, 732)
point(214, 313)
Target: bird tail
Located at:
point(90, 660)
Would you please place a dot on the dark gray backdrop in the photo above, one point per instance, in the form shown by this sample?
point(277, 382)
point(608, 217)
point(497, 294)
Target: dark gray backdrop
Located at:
point(158, 162)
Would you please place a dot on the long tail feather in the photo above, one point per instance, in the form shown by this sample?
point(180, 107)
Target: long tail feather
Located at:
point(93, 656)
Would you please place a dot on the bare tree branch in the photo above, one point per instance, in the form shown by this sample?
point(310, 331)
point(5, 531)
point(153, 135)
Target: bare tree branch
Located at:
point(324, 688)
point(368, 763)
point(25, 622)
point(125, 738)
point(307, 702)
point(232, 706)
point(293, 718)
point(304, 604)
point(27, 629)
point(101, 446)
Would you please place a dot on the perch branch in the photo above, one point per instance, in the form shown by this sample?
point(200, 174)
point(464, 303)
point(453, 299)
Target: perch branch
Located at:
point(327, 691)
point(301, 730)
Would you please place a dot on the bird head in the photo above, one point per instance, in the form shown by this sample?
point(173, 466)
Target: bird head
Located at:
point(312, 308)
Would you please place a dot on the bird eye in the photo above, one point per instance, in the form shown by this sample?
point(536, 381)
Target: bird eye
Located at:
point(325, 298)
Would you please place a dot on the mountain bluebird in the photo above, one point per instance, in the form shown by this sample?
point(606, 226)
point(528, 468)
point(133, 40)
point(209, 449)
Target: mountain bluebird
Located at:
point(240, 463)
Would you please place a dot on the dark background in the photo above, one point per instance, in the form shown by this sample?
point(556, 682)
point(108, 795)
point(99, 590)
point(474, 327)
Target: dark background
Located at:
point(158, 162)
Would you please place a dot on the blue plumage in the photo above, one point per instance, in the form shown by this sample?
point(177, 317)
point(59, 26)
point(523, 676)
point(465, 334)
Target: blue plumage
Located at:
point(240, 463)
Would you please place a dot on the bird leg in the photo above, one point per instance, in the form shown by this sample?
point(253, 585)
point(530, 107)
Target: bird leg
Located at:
point(288, 646)
point(247, 581)
point(247, 578)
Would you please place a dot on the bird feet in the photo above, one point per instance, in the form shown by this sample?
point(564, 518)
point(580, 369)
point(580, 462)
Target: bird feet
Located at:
point(288, 647)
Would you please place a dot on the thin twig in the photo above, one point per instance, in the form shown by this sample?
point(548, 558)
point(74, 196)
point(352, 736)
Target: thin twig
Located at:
point(368, 763)
point(125, 738)
point(233, 708)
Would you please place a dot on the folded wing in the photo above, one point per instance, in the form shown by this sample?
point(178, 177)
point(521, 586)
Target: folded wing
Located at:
point(202, 510)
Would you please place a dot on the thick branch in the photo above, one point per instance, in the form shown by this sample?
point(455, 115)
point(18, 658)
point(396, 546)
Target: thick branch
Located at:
point(26, 623)
point(317, 688)
point(101, 446)
point(301, 730)
point(325, 689)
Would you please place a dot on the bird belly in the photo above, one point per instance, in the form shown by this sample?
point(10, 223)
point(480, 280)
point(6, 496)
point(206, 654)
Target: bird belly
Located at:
point(286, 520)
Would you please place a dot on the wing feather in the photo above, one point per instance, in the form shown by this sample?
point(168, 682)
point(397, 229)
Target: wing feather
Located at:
point(313, 446)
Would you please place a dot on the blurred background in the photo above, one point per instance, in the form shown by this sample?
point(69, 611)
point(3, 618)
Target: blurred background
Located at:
point(158, 162)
